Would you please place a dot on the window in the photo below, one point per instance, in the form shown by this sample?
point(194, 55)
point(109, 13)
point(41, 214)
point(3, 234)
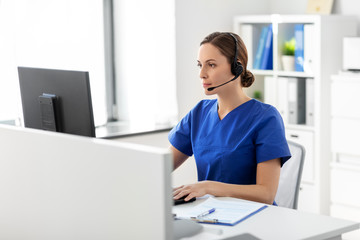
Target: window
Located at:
point(144, 56)
point(62, 34)
point(68, 34)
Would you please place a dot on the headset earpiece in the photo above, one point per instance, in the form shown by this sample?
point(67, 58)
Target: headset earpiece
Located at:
point(236, 69)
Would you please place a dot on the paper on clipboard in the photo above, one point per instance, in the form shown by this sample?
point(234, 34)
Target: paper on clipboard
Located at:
point(226, 213)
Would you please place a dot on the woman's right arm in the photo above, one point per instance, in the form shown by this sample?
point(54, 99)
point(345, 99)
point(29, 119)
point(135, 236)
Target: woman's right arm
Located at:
point(178, 157)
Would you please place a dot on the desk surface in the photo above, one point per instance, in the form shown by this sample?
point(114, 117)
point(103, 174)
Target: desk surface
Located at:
point(277, 223)
point(120, 129)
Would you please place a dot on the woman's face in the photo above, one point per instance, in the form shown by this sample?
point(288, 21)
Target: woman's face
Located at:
point(214, 68)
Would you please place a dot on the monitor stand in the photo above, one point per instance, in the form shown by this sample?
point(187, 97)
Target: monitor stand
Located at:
point(49, 115)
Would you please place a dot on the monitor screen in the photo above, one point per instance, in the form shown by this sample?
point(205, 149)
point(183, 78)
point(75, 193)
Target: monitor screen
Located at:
point(57, 100)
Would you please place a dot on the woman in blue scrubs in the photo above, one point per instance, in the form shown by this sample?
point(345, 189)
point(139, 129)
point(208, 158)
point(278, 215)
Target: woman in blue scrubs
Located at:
point(238, 142)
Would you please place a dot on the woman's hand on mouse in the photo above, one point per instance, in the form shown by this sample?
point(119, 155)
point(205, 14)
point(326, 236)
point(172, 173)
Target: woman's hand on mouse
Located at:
point(198, 189)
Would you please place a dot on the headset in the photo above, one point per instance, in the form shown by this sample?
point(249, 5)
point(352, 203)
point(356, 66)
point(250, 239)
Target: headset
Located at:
point(236, 66)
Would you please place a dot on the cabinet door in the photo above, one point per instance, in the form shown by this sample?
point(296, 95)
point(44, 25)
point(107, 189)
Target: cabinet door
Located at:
point(306, 139)
point(307, 201)
point(345, 97)
point(345, 185)
point(345, 135)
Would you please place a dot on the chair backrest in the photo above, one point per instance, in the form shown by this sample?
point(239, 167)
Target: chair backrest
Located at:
point(290, 177)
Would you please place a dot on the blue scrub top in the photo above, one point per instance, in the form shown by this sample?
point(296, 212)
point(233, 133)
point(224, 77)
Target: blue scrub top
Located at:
point(229, 150)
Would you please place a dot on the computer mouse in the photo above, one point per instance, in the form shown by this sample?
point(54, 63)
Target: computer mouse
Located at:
point(182, 200)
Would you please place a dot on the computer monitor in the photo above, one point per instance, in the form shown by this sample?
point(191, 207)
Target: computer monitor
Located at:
point(62, 186)
point(57, 100)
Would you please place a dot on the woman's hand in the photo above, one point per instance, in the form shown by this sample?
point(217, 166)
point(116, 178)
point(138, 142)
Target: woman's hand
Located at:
point(198, 189)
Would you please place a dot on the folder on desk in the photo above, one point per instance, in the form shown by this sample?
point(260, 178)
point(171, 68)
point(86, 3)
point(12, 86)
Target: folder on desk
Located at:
point(227, 213)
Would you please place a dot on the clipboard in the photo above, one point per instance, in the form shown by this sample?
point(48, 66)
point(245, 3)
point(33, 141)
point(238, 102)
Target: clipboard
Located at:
point(228, 213)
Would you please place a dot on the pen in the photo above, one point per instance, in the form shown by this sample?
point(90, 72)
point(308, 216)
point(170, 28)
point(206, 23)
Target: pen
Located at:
point(206, 213)
point(204, 220)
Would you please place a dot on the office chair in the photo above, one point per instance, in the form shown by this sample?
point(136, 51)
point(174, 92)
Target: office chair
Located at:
point(290, 177)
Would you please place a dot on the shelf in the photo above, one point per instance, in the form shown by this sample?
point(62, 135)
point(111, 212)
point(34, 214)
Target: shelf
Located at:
point(282, 73)
point(262, 72)
point(346, 77)
point(301, 127)
point(293, 74)
point(344, 117)
point(278, 19)
point(355, 166)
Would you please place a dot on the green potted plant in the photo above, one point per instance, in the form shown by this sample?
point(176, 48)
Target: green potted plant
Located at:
point(288, 55)
point(257, 95)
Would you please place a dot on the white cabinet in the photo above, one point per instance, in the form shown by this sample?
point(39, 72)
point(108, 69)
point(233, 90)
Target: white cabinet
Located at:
point(323, 50)
point(345, 167)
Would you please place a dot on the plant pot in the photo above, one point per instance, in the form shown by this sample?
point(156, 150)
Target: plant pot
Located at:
point(288, 63)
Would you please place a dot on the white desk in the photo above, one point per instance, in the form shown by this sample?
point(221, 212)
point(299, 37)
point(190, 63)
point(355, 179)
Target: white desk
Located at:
point(277, 223)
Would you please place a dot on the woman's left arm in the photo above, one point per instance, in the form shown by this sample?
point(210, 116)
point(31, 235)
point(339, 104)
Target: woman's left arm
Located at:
point(267, 181)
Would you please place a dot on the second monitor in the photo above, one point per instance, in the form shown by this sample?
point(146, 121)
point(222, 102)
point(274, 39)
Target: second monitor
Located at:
point(57, 100)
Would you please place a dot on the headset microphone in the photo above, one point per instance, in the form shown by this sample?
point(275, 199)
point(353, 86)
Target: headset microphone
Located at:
point(236, 67)
point(212, 88)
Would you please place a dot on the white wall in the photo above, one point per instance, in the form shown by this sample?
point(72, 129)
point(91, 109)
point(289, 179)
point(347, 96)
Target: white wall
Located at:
point(288, 7)
point(348, 7)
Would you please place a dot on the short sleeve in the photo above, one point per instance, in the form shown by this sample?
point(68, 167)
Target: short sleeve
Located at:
point(180, 136)
point(270, 139)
